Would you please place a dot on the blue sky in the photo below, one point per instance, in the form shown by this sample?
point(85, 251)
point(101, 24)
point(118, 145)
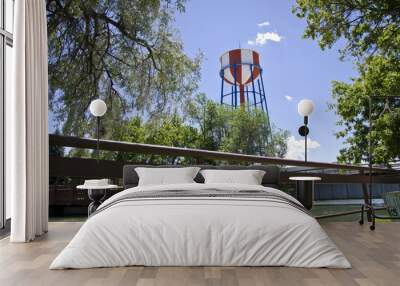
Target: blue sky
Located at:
point(293, 67)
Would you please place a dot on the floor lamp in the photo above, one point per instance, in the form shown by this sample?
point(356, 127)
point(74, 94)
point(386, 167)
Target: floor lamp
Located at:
point(305, 108)
point(98, 108)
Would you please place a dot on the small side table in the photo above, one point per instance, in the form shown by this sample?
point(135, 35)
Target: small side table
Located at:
point(305, 190)
point(96, 195)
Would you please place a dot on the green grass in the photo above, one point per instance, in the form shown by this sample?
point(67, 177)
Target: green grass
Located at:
point(331, 209)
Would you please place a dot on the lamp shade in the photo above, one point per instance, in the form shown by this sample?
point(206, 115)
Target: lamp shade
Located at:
point(305, 107)
point(98, 107)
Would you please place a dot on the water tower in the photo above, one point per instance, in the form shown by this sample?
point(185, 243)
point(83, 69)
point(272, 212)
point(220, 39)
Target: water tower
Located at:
point(242, 83)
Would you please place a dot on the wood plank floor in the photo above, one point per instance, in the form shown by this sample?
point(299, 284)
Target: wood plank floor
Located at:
point(375, 257)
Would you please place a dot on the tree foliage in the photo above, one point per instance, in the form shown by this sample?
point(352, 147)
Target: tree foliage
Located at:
point(370, 31)
point(168, 130)
point(278, 146)
point(208, 126)
point(246, 132)
point(123, 51)
point(368, 26)
point(379, 76)
point(235, 130)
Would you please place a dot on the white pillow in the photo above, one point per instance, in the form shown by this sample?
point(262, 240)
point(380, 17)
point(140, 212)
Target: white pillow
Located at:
point(248, 177)
point(166, 176)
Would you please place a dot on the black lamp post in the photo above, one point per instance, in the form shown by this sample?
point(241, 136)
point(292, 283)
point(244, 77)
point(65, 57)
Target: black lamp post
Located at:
point(305, 108)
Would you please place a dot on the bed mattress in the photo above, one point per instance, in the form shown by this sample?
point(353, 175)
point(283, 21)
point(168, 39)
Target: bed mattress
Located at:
point(201, 225)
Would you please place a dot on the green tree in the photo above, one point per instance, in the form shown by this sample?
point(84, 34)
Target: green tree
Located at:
point(171, 131)
point(370, 31)
point(123, 51)
point(279, 147)
point(222, 128)
point(211, 119)
point(368, 27)
point(132, 130)
point(246, 132)
point(208, 126)
point(378, 76)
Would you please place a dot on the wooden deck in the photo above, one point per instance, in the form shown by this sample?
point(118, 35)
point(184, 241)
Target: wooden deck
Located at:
point(375, 257)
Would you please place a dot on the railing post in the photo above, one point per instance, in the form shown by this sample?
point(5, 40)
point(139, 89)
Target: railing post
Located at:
point(366, 197)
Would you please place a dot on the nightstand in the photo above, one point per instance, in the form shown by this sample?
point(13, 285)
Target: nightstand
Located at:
point(96, 195)
point(305, 190)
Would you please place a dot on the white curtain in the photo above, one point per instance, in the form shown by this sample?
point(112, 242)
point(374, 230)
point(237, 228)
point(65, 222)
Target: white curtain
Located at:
point(26, 124)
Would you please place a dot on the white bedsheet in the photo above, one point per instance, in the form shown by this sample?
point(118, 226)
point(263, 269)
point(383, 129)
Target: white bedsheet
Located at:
point(200, 231)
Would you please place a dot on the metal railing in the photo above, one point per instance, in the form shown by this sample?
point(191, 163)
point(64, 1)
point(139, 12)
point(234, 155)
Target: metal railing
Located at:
point(92, 168)
point(109, 145)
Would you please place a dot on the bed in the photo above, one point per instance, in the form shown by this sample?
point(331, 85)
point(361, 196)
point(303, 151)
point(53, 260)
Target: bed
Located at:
point(198, 224)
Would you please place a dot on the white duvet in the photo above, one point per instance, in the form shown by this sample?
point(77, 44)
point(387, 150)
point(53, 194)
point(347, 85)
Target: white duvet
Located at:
point(200, 231)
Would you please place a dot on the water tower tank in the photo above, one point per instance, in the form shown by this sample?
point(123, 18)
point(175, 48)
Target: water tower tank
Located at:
point(242, 74)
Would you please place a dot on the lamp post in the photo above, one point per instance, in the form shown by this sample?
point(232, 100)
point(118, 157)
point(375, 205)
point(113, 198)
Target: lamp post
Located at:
point(305, 108)
point(98, 108)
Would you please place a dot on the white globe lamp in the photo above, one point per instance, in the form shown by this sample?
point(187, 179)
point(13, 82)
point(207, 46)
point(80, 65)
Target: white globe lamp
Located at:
point(305, 107)
point(98, 107)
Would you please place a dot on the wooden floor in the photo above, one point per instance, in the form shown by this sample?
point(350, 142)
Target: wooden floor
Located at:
point(375, 257)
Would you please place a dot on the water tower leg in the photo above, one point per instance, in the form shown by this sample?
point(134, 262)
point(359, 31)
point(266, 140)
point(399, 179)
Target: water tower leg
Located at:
point(252, 84)
point(261, 95)
point(235, 83)
point(222, 91)
point(247, 98)
point(242, 100)
point(232, 98)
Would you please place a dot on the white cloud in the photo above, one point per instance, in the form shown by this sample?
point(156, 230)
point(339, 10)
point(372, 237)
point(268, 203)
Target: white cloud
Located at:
point(263, 24)
point(288, 97)
point(296, 147)
point(262, 38)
